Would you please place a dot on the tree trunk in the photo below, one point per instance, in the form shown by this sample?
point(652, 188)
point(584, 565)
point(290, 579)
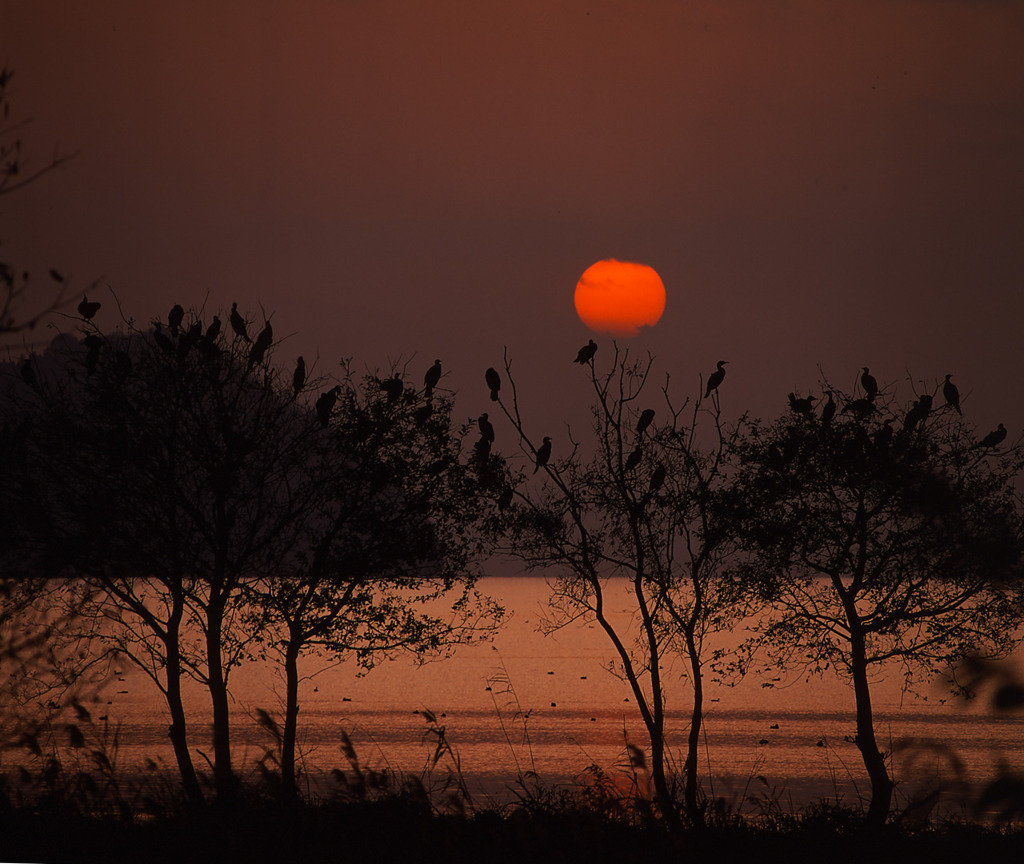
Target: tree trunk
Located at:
point(693, 810)
point(223, 775)
point(177, 731)
point(874, 760)
point(291, 717)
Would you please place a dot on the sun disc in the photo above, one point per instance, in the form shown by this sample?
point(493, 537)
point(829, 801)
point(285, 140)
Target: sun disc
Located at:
point(619, 297)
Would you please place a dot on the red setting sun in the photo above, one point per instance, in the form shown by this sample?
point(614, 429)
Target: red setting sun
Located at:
point(619, 297)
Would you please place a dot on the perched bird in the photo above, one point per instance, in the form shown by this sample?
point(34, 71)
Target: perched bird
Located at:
point(175, 317)
point(586, 353)
point(828, 410)
point(868, 382)
point(238, 323)
point(482, 448)
point(262, 343)
point(801, 406)
point(860, 408)
point(493, 382)
point(715, 378)
point(299, 375)
point(213, 331)
point(918, 413)
point(994, 438)
point(646, 416)
point(393, 387)
point(657, 478)
point(87, 309)
point(325, 405)
point(431, 378)
point(951, 394)
point(166, 345)
point(485, 427)
point(632, 460)
point(543, 454)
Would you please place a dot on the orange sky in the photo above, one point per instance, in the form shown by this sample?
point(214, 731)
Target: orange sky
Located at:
point(816, 182)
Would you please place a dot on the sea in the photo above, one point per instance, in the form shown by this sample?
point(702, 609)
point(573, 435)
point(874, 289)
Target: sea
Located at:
point(532, 707)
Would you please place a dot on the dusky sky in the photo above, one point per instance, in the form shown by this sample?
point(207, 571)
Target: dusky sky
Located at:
point(817, 183)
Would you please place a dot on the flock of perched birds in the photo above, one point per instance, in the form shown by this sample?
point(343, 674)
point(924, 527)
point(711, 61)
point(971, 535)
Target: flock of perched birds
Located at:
point(393, 387)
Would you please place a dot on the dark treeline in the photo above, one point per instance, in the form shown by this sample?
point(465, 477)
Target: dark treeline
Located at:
point(173, 497)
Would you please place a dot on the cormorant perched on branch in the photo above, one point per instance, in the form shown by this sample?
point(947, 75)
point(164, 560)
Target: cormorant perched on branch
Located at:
point(586, 353)
point(87, 309)
point(801, 406)
point(238, 323)
point(262, 343)
point(951, 394)
point(646, 416)
point(325, 405)
point(632, 460)
point(918, 413)
point(174, 318)
point(431, 378)
point(994, 438)
point(485, 427)
point(393, 387)
point(543, 454)
point(868, 382)
point(482, 448)
point(657, 478)
point(213, 331)
point(299, 375)
point(493, 382)
point(715, 378)
point(828, 410)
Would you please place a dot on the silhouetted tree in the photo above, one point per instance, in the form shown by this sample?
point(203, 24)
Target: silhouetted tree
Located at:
point(633, 505)
point(385, 558)
point(879, 547)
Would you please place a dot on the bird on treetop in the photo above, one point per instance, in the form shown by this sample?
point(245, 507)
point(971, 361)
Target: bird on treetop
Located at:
point(646, 416)
point(87, 309)
point(393, 387)
point(715, 378)
point(299, 375)
point(828, 410)
point(951, 394)
point(868, 382)
point(485, 427)
point(431, 378)
point(994, 438)
point(238, 323)
point(586, 353)
point(175, 317)
point(543, 454)
point(801, 406)
point(493, 382)
point(633, 460)
point(213, 331)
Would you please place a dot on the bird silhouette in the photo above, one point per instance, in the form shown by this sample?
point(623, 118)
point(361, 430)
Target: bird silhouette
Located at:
point(485, 427)
point(801, 406)
point(657, 478)
point(646, 417)
point(951, 394)
point(165, 343)
point(543, 454)
point(994, 438)
point(299, 375)
point(482, 448)
point(493, 382)
point(238, 324)
point(325, 405)
point(715, 378)
point(431, 378)
point(174, 318)
point(213, 331)
point(87, 309)
point(262, 344)
point(632, 460)
point(586, 353)
point(918, 413)
point(860, 408)
point(868, 382)
point(828, 410)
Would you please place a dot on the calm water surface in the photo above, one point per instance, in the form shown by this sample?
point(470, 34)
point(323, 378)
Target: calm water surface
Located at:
point(790, 741)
